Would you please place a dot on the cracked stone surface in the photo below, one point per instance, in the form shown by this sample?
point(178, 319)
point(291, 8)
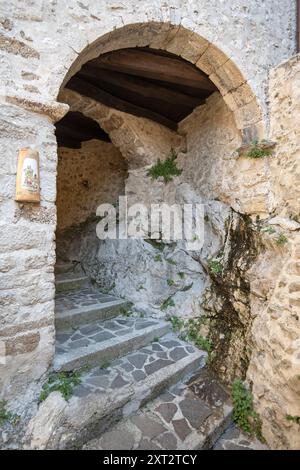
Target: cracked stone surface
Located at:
point(131, 368)
point(176, 420)
point(81, 298)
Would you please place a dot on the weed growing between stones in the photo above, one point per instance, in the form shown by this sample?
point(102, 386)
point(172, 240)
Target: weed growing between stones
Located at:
point(215, 266)
point(63, 382)
point(166, 169)
point(169, 302)
point(181, 275)
point(190, 331)
point(281, 240)
point(244, 414)
point(258, 150)
point(269, 230)
point(156, 339)
point(293, 419)
point(177, 323)
point(7, 416)
point(170, 282)
point(158, 258)
point(126, 312)
point(105, 365)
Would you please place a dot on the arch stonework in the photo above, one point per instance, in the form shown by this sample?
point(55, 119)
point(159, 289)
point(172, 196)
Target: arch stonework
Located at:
point(192, 47)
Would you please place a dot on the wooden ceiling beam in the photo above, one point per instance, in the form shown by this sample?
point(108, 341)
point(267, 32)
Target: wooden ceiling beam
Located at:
point(149, 65)
point(85, 88)
point(139, 86)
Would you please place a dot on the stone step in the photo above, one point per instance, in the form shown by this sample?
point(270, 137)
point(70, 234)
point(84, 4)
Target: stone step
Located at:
point(106, 395)
point(70, 281)
point(86, 305)
point(62, 267)
point(185, 417)
point(103, 341)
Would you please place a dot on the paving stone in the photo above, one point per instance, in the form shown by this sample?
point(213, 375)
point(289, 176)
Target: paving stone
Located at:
point(81, 391)
point(100, 372)
point(127, 367)
point(170, 344)
point(167, 411)
point(148, 426)
point(166, 396)
point(61, 337)
point(168, 441)
point(118, 382)
point(104, 336)
point(80, 343)
point(195, 411)
point(181, 428)
point(147, 445)
point(156, 365)
point(138, 360)
point(102, 382)
point(157, 347)
point(143, 325)
point(117, 440)
point(138, 375)
point(177, 354)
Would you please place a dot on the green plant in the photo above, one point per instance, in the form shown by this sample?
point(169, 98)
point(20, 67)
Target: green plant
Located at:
point(156, 339)
point(170, 261)
point(258, 150)
point(269, 230)
point(177, 323)
point(170, 282)
point(181, 275)
point(63, 382)
point(215, 266)
point(140, 287)
point(244, 414)
point(141, 315)
point(158, 258)
point(126, 311)
point(294, 419)
point(166, 169)
point(281, 240)
point(206, 218)
point(169, 302)
point(7, 416)
point(105, 365)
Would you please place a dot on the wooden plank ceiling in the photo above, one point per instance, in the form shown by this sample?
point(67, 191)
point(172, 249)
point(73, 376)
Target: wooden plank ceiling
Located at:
point(144, 82)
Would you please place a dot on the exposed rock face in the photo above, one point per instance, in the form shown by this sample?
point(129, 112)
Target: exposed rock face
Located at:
point(227, 302)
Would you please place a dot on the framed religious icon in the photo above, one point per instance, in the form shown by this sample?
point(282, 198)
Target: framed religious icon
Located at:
point(28, 176)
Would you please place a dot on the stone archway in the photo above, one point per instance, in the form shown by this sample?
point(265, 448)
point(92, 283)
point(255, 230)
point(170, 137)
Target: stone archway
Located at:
point(222, 71)
point(128, 132)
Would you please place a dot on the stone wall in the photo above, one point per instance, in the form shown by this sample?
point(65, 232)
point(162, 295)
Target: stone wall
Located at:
point(87, 177)
point(275, 365)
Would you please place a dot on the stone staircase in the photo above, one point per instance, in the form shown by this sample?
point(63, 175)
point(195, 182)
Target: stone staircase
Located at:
point(134, 371)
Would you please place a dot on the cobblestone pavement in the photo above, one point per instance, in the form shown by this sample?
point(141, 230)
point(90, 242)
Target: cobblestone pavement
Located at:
point(80, 298)
point(177, 420)
point(99, 332)
point(133, 367)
